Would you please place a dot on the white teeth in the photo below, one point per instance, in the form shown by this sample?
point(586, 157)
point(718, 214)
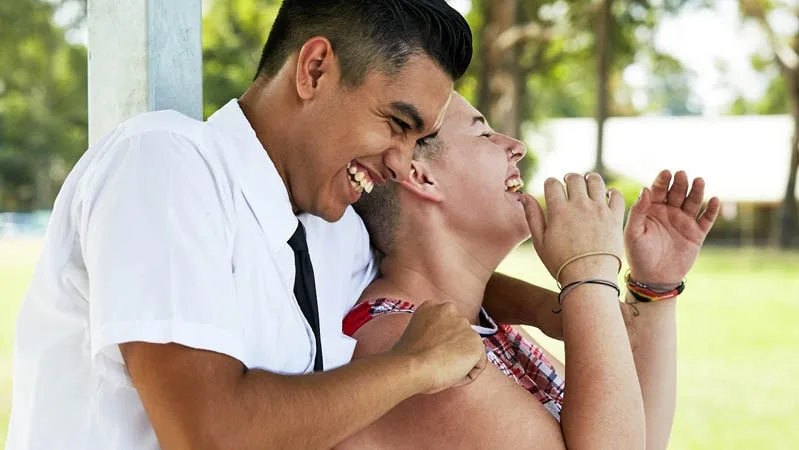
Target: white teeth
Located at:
point(349, 165)
point(359, 180)
point(367, 185)
point(358, 188)
point(514, 184)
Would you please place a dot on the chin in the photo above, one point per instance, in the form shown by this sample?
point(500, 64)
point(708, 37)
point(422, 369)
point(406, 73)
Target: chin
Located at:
point(331, 213)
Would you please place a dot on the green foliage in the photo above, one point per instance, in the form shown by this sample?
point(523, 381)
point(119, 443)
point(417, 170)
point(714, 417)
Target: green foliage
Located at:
point(630, 189)
point(43, 79)
point(776, 98)
point(774, 101)
point(234, 32)
point(43, 106)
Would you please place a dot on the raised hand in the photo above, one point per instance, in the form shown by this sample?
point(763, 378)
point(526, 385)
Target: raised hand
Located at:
point(584, 218)
point(449, 351)
point(665, 230)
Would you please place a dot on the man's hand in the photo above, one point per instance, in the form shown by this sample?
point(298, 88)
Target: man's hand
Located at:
point(451, 353)
point(665, 231)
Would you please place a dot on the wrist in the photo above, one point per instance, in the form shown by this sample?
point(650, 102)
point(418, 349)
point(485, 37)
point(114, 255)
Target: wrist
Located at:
point(647, 293)
point(630, 299)
point(419, 378)
point(598, 266)
point(658, 282)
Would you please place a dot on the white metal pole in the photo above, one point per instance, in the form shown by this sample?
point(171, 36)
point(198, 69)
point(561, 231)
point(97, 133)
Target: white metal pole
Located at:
point(144, 55)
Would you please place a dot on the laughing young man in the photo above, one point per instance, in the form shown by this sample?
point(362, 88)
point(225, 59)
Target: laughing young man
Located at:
point(195, 274)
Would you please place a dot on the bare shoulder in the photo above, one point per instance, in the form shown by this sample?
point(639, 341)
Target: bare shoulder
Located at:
point(491, 412)
point(380, 334)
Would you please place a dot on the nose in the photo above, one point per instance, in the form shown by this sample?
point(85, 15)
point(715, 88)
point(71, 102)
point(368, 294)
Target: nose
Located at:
point(516, 149)
point(398, 162)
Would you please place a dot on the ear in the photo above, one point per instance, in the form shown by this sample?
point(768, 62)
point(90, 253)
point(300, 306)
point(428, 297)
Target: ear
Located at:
point(422, 183)
point(316, 64)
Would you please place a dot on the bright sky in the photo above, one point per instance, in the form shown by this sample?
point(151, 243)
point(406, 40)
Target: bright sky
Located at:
point(707, 40)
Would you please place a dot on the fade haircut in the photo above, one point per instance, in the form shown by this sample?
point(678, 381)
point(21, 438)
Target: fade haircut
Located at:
point(381, 211)
point(373, 34)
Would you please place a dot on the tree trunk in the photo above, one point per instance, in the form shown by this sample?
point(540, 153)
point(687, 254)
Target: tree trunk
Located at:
point(485, 39)
point(789, 216)
point(604, 25)
point(502, 84)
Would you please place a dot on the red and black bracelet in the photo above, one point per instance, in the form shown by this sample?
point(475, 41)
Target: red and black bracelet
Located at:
point(646, 294)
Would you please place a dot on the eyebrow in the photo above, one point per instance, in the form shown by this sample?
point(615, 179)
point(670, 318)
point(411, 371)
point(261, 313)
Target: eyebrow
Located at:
point(410, 112)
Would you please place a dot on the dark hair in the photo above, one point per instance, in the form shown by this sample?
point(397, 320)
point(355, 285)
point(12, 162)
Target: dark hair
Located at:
point(381, 211)
point(371, 34)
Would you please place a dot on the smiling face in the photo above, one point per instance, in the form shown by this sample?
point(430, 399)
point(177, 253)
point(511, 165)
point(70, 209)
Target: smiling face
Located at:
point(478, 179)
point(357, 137)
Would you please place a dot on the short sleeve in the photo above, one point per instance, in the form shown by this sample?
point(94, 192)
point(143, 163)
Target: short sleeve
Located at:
point(156, 232)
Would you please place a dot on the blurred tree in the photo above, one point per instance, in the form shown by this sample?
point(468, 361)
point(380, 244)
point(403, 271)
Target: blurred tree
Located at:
point(43, 104)
point(604, 25)
point(552, 58)
point(533, 59)
point(785, 51)
point(624, 32)
point(234, 33)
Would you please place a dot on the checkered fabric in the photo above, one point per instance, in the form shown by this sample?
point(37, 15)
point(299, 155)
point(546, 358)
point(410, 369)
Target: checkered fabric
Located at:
point(519, 359)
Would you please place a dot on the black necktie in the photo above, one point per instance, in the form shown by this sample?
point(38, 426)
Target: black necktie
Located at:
point(305, 288)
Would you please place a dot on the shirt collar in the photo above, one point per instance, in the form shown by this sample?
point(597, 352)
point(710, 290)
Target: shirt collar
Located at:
point(257, 176)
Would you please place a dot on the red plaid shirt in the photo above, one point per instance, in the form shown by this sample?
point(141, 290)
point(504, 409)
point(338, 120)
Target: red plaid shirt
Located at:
point(519, 359)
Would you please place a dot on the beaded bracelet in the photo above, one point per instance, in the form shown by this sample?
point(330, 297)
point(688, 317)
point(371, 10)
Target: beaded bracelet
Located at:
point(569, 287)
point(646, 294)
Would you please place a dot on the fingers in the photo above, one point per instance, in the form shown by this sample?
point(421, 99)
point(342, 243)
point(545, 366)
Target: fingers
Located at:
point(708, 218)
point(660, 187)
point(554, 193)
point(535, 217)
point(596, 187)
point(679, 188)
point(694, 201)
point(476, 371)
point(616, 202)
point(575, 186)
point(637, 218)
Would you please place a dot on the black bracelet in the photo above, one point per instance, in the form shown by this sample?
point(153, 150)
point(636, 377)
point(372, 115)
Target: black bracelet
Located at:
point(569, 287)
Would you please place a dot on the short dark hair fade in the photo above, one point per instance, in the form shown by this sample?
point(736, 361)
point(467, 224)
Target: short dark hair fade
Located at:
point(371, 34)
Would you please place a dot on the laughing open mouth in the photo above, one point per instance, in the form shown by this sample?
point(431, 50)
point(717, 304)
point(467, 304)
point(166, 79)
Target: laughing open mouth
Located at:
point(514, 184)
point(359, 178)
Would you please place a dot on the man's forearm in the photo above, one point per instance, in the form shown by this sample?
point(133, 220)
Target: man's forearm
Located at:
point(516, 302)
point(278, 411)
point(653, 337)
point(204, 400)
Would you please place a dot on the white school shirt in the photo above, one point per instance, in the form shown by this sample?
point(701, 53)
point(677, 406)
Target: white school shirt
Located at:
point(170, 230)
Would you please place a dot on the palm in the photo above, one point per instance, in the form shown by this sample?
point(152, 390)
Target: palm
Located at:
point(663, 235)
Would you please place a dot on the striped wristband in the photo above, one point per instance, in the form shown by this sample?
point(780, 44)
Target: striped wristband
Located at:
point(645, 293)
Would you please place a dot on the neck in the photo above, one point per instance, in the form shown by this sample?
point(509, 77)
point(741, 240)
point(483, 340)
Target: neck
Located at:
point(266, 108)
point(436, 266)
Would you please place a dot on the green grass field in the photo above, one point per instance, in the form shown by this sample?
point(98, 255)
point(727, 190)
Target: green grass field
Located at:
point(738, 336)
